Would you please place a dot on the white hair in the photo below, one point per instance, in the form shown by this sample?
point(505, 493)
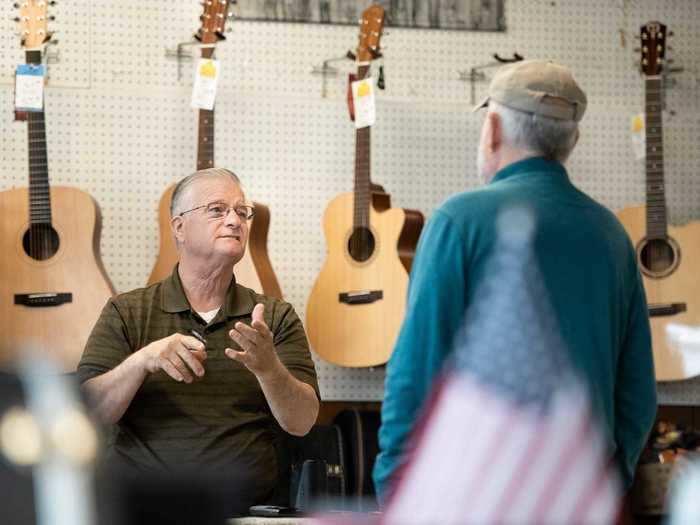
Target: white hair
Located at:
point(182, 186)
point(551, 138)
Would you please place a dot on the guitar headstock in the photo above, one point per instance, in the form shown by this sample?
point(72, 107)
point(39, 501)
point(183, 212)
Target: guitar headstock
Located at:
point(653, 35)
point(371, 26)
point(213, 21)
point(32, 19)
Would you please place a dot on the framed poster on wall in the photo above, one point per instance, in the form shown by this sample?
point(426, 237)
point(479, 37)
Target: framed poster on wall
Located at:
point(485, 15)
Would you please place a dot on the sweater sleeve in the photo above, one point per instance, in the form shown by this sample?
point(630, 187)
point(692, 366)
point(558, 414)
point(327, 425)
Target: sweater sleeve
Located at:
point(434, 312)
point(635, 389)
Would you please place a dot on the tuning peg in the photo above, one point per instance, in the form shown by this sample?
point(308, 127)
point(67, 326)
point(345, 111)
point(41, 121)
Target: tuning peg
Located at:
point(53, 2)
point(16, 19)
point(351, 55)
point(671, 33)
point(637, 49)
point(669, 48)
point(15, 5)
point(52, 18)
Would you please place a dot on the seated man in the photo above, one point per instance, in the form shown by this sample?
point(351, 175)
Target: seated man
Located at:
point(196, 370)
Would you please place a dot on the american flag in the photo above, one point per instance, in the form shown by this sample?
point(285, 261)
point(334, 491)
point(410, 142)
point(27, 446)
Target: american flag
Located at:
point(508, 436)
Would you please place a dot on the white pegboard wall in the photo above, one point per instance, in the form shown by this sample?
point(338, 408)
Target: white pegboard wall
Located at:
point(120, 126)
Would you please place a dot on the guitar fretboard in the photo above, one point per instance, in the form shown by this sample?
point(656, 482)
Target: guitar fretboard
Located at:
point(39, 191)
point(362, 170)
point(205, 142)
point(656, 197)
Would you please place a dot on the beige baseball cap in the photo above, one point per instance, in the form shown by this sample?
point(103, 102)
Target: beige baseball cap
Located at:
point(537, 86)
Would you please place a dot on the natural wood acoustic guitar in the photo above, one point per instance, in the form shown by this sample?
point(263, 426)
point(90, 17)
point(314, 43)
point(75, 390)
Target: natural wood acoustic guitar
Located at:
point(52, 282)
point(669, 257)
point(357, 303)
point(254, 270)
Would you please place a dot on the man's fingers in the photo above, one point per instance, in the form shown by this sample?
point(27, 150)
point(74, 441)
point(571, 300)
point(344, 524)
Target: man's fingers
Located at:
point(191, 343)
point(191, 361)
point(241, 357)
point(243, 341)
point(250, 333)
point(258, 312)
point(181, 367)
point(170, 369)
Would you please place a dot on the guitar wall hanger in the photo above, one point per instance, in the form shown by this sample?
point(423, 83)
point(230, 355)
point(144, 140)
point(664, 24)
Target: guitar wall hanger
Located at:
point(182, 53)
point(326, 70)
point(475, 74)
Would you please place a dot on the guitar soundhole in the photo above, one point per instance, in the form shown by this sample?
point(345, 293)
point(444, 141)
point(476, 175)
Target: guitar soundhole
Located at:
point(361, 244)
point(658, 257)
point(40, 242)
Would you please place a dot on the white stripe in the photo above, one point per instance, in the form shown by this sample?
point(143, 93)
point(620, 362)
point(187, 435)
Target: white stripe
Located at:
point(510, 449)
point(558, 433)
point(435, 480)
point(582, 473)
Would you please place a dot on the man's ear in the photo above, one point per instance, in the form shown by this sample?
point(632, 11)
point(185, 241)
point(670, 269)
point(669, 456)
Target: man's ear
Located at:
point(176, 225)
point(494, 131)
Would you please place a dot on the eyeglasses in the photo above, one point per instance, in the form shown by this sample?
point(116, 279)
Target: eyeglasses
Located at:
point(219, 210)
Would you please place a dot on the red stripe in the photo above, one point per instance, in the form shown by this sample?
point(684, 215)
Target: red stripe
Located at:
point(516, 485)
point(553, 488)
point(488, 463)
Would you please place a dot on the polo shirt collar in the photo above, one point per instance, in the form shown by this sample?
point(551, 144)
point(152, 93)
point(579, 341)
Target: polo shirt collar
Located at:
point(173, 298)
point(530, 165)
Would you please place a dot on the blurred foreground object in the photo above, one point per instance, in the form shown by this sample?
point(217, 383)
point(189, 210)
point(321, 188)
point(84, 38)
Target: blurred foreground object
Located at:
point(508, 436)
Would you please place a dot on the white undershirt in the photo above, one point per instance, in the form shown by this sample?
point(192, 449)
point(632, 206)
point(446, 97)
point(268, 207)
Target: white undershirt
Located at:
point(208, 316)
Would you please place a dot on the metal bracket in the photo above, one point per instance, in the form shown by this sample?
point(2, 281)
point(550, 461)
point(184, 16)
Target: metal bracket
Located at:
point(475, 74)
point(182, 54)
point(326, 70)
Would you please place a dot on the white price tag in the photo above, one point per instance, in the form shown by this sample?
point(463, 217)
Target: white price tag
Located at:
point(29, 87)
point(363, 100)
point(206, 77)
point(639, 141)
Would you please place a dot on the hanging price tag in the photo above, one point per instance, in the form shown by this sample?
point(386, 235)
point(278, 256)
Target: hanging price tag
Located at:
point(29, 87)
point(363, 101)
point(205, 80)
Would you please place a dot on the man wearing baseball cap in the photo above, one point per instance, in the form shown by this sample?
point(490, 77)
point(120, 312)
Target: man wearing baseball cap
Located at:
point(530, 128)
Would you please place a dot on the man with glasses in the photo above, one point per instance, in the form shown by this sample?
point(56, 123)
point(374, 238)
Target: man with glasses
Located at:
point(196, 370)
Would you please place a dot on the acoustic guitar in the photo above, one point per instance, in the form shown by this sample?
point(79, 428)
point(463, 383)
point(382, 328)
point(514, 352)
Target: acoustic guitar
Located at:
point(669, 257)
point(357, 303)
point(254, 270)
point(52, 282)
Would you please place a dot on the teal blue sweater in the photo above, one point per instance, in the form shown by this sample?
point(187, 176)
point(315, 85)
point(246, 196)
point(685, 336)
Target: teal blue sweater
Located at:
point(590, 271)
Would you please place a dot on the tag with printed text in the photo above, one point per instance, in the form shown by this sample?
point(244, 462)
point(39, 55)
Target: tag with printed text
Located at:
point(29, 87)
point(205, 80)
point(363, 100)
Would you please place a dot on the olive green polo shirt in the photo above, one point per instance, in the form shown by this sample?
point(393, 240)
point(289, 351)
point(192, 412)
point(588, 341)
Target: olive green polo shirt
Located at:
point(222, 420)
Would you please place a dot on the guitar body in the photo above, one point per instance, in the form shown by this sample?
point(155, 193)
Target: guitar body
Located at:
point(682, 285)
point(75, 268)
point(360, 335)
point(254, 270)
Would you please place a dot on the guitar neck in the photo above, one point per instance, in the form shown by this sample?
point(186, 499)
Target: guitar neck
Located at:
point(205, 129)
point(205, 139)
point(656, 196)
point(362, 170)
point(39, 191)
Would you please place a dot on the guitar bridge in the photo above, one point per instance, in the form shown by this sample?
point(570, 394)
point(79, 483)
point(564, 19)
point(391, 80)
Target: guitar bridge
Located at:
point(34, 300)
point(666, 309)
point(361, 297)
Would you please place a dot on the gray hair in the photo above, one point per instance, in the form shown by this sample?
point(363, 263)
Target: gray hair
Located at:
point(182, 186)
point(549, 137)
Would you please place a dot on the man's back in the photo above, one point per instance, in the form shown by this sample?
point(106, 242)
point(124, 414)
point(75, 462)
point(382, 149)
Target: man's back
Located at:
point(590, 273)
